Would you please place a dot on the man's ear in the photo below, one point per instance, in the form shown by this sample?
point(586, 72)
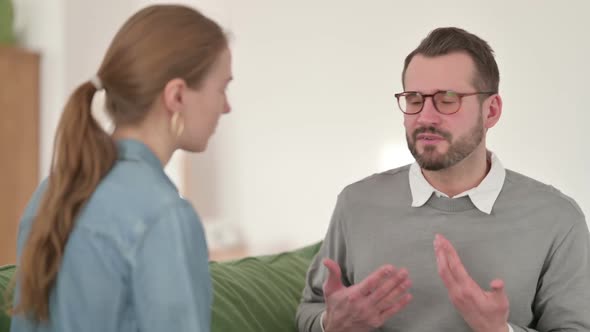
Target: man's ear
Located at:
point(173, 95)
point(494, 111)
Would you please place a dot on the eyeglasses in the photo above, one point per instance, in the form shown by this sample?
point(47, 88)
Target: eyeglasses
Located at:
point(445, 102)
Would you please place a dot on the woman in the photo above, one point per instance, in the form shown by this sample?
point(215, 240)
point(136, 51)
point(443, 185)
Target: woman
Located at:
point(107, 243)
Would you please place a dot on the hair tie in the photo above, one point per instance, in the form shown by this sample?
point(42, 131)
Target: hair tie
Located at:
point(95, 80)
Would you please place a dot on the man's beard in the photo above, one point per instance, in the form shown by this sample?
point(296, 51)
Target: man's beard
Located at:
point(431, 160)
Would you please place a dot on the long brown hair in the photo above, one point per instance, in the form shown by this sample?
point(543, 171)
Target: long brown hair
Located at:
point(157, 44)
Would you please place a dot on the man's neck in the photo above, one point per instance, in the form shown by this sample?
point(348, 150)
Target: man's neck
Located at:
point(465, 175)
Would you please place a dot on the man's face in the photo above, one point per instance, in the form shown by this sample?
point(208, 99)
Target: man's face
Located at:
point(438, 141)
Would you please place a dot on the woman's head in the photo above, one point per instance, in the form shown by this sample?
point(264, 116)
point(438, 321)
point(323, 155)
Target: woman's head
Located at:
point(172, 61)
point(164, 75)
point(193, 112)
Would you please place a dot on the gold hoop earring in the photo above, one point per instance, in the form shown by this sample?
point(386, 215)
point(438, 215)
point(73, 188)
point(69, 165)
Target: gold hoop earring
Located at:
point(176, 124)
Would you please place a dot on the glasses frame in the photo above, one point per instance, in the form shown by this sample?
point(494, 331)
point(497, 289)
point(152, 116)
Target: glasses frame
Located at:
point(424, 96)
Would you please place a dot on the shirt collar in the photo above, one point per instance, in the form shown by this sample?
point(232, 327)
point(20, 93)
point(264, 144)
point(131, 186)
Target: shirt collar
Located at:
point(483, 196)
point(134, 150)
point(130, 149)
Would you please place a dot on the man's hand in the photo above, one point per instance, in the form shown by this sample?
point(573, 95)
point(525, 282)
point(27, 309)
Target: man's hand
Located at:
point(367, 305)
point(484, 311)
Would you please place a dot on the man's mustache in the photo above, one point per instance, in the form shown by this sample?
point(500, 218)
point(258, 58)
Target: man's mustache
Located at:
point(431, 130)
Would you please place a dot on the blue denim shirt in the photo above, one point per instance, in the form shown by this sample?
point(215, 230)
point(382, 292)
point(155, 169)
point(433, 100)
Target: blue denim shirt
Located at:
point(136, 260)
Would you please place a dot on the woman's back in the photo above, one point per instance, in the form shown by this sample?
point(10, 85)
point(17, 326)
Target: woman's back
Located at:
point(136, 247)
point(107, 244)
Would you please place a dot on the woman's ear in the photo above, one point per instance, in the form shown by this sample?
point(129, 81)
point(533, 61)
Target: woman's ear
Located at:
point(173, 95)
point(494, 111)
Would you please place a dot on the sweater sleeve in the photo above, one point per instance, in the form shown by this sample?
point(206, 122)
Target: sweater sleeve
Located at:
point(334, 247)
point(563, 295)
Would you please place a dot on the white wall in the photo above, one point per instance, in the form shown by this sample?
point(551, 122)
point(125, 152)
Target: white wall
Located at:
point(313, 105)
point(71, 36)
point(40, 27)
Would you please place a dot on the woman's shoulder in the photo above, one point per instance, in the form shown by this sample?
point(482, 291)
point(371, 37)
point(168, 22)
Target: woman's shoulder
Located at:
point(130, 197)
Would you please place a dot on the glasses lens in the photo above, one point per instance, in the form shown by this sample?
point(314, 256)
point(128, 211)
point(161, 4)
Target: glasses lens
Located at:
point(447, 102)
point(411, 103)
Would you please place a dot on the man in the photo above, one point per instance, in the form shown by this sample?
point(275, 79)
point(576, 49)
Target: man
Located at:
point(482, 248)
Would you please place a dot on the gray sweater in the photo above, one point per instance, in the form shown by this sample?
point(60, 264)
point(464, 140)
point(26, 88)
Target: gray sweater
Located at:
point(536, 239)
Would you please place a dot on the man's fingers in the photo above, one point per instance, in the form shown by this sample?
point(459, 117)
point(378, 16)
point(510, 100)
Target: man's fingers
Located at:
point(498, 290)
point(394, 295)
point(389, 285)
point(442, 263)
point(457, 270)
point(443, 269)
point(391, 310)
point(370, 284)
point(334, 281)
point(454, 261)
point(499, 296)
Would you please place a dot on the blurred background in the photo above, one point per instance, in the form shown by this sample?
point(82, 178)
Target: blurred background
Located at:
point(312, 99)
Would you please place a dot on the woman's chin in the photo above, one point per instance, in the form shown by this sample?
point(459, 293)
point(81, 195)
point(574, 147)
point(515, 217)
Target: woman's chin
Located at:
point(195, 147)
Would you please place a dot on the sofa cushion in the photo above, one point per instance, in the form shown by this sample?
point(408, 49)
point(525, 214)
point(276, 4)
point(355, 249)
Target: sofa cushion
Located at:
point(6, 273)
point(251, 294)
point(258, 294)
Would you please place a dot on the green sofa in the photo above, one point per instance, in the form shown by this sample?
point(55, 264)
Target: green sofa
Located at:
point(253, 294)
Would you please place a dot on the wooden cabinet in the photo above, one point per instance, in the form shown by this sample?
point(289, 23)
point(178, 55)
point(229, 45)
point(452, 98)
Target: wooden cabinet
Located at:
point(19, 141)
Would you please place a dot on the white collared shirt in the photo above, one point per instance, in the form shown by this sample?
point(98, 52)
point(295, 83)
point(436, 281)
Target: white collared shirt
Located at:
point(483, 196)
